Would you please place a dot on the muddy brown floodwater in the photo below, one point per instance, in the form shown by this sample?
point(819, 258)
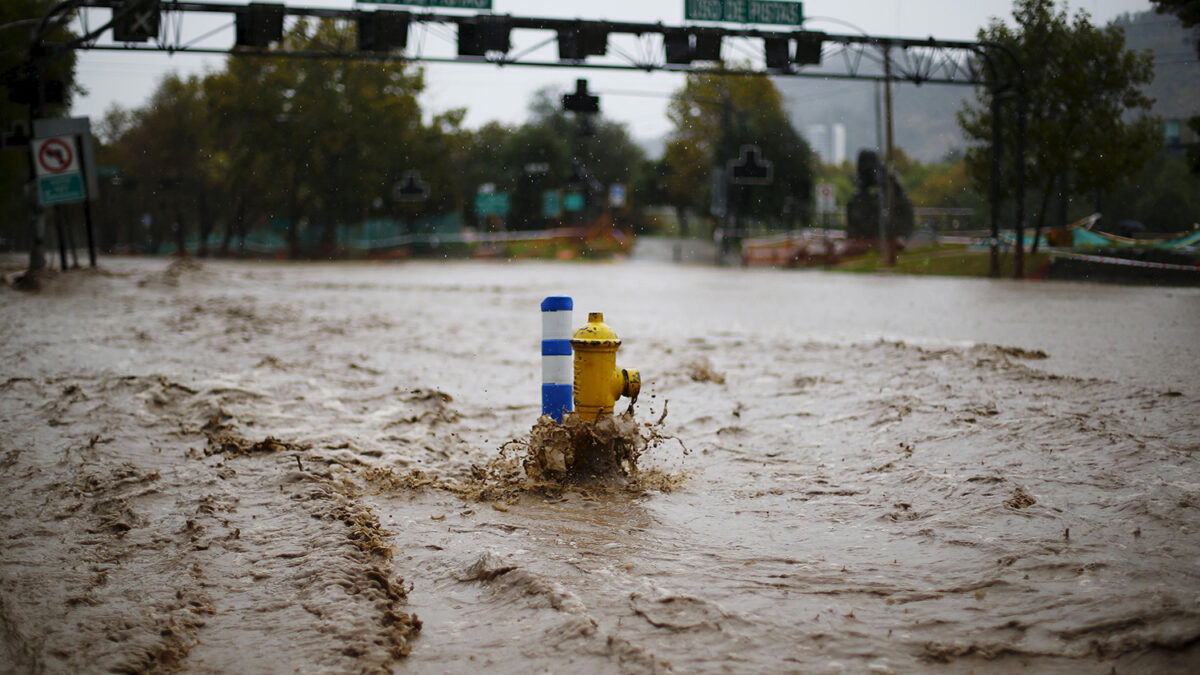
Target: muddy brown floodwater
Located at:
point(257, 467)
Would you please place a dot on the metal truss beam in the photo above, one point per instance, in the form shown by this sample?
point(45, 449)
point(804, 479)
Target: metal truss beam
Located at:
point(634, 46)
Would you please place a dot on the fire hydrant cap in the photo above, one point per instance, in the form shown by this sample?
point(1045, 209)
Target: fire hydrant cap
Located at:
point(595, 333)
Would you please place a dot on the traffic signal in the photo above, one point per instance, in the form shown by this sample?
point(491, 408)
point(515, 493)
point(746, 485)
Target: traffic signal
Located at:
point(808, 48)
point(776, 52)
point(580, 41)
point(136, 20)
point(696, 44)
point(383, 31)
point(259, 25)
point(482, 34)
point(24, 91)
point(580, 101)
point(706, 45)
point(750, 168)
point(678, 46)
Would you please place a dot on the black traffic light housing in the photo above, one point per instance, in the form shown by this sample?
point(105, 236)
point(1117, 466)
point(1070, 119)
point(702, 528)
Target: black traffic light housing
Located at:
point(683, 46)
point(259, 25)
point(777, 53)
point(410, 188)
point(808, 47)
point(580, 41)
point(750, 168)
point(24, 90)
point(383, 31)
point(482, 34)
point(136, 20)
point(581, 101)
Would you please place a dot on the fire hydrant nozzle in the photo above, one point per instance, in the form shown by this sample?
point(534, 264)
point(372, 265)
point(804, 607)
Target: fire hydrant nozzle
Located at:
point(598, 381)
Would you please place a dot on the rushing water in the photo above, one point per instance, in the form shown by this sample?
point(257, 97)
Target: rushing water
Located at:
point(253, 466)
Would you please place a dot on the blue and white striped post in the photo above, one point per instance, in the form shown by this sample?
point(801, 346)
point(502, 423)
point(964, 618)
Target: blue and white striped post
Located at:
point(558, 373)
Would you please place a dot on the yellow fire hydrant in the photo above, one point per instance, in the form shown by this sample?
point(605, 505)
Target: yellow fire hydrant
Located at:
point(598, 381)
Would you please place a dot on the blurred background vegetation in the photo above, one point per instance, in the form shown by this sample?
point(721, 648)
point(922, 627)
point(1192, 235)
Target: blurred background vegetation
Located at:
point(308, 153)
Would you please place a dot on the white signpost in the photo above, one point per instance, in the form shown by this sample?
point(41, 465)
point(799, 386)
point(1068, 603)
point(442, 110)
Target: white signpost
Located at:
point(58, 170)
point(826, 198)
point(616, 196)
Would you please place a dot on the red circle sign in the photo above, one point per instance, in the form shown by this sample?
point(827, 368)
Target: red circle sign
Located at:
point(55, 156)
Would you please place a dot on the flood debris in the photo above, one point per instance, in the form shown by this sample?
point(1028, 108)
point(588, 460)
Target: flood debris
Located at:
point(604, 452)
point(1020, 500)
point(553, 457)
point(577, 450)
point(702, 370)
point(223, 441)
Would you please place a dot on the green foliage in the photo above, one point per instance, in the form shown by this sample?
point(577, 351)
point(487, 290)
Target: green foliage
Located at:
point(953, 260)
point(942, 184)
point(18, 21)
point(528, 160)
point(271, 139)
point(1087, 123)
point(304, 147)
point(1164, 196)
point(714, 116)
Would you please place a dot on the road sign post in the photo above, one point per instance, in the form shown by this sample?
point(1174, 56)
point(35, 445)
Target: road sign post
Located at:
point(617, 196)
point(826, 198)
point(410, 188)
point(551, 204)
point(57, 167)
point(750, 168)
point(491, 204)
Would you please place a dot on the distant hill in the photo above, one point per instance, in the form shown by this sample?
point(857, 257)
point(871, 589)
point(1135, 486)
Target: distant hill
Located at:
point(924, 115)
point(925, 126)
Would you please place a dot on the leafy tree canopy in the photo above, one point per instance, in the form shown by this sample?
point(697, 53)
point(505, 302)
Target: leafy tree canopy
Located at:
point(1087, 124)
point(714, 116)
point(18, 21)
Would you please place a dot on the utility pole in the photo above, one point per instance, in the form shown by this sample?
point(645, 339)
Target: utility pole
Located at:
point(889, 251)
point(37, 214)
point(880, 176)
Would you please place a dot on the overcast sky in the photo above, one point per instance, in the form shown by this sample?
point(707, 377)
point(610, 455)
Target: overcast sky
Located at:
point(492, 93)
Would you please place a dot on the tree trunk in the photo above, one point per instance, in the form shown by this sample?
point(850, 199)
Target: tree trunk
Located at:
point(1041, 221)
point(230, 224)
point(682, 216)
point(293, 231)
point(205, 224)
point(180, 235)
point(1063, 202)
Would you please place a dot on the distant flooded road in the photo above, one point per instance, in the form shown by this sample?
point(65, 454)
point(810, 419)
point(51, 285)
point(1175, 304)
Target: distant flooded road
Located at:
point(227, 466)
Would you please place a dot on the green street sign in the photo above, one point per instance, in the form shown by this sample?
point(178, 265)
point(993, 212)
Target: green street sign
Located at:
point(491, 204)
point(61, 189)
point(782, 12)
point(451, 4)
point(551, 204)
point(573, 202)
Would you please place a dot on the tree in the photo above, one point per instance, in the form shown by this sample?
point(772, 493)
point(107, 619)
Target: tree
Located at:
point(537, 156)
point(163, 150)
point(1087, 125)
point(714, 116)
point(352, 129)
point(300, 140)
point(18, 21)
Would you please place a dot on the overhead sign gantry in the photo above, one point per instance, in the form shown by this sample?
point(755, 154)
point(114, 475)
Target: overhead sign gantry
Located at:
point(484, 37)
